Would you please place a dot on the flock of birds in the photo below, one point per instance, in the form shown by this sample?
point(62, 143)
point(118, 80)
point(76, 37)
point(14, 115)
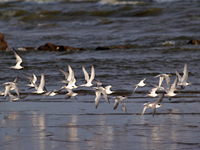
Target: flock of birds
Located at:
point(70, 84)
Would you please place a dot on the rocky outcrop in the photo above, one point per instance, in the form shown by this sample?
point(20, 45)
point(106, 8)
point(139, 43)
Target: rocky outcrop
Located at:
point(194, 42)
point(53, 47)
point(3, 44)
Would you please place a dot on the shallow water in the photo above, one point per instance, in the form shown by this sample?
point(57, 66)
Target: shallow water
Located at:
point(57, 123)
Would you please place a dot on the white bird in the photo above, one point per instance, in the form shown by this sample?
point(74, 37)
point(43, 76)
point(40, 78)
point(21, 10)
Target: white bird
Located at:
point(140, 84)
point(153, 105)
point(89, 80)
point(18, 61)
point(8, 87)
point(14, 98)
point(71, 94)
point(32, 80)
point(51, 93)
point(98, 92)
point(121, 100)
point(170, 90)
point(41, 88)
point(152, 92)
point(182, 80)
point(107, 89)
point(70, 78)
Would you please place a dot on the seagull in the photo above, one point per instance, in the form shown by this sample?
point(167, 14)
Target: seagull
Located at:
point(71, 94)
point(98, 91)
point(153, 105)
point(120, 99)
point(32, 80)
point(107, 89)
point(161, 77)
point(89, 80)
point(8, 87)
point(13, 98)
point(52, 93)
point(141, 84)
point(70, 79)
point(18, 61)
point(170, 90)
point(41, 88)
point(152, 92)
point(182, 80)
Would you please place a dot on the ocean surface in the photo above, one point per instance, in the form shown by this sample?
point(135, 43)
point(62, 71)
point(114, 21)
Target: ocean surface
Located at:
point(155, 34)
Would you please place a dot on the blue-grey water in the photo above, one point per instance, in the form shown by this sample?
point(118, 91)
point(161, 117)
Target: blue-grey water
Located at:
point(144, 27)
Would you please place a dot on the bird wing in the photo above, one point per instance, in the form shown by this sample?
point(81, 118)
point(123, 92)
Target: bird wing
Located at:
point(185, 73)
point(124, 106)
point(97, 99)
point(108, 87)
point(104, 94)
point(29, 77)
point(66, 74)
point(145, 107)
point(116, 103)
point(15, 88)
point(154, 108)
point(16, 79)
point(92, 73)
point(34, 79)
point(7, 90)
point(42, 83)
point(160, 98)
point(174, 85)
point(71, 74)
point(160, 81)
point(178, 75)
point(135, 88)
point(167, 78)
point(85, 74)
point(18, 58)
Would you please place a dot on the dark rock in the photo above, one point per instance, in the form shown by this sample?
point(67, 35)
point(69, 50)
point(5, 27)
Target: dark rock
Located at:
point(48, 47)
point(103, 48)
point(194, 42)
point(3, 44)
point(29, 48)
point(53, 47)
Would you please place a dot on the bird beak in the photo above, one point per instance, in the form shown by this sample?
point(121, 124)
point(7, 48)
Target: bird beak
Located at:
point(113, 91)
point(189, 83)
point(161, 105)
point(125, 97)
point(169, 75)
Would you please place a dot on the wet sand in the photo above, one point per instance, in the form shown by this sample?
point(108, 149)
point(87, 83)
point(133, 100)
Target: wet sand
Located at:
point(76, 124)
